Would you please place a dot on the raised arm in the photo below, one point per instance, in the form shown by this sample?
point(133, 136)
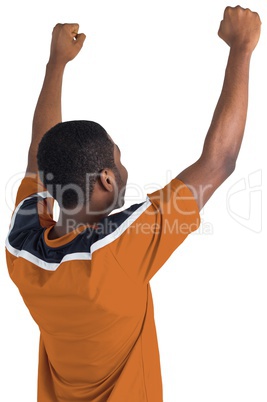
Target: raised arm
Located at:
point(240, 29)
point(65, 45)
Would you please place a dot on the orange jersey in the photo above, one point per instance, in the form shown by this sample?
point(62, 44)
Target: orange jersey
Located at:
point(89, 292)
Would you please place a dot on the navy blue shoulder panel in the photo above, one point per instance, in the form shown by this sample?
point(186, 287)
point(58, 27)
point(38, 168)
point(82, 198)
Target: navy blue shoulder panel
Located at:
point(27, 233)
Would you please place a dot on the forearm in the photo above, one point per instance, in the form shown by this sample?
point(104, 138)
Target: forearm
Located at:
point(224, 137)
point(48, 109)
point(240, 29)
point(226, 131)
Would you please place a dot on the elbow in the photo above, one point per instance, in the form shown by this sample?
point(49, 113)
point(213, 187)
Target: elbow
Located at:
point(229, 166)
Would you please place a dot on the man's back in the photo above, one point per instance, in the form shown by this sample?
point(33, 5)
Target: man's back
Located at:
point(89, 293)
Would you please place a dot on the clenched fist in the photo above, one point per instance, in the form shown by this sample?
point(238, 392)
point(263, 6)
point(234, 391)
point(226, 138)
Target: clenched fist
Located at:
point(66, 43)
point(240, 28)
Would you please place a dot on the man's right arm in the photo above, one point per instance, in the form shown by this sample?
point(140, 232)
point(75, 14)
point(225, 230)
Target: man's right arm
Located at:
point(240, 29)
point(65, 45)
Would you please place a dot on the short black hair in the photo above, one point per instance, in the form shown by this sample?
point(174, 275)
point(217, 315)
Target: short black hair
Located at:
point(70, 157)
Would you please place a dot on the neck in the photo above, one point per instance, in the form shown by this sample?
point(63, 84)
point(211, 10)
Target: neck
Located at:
point(68, 222)
point(100, 205)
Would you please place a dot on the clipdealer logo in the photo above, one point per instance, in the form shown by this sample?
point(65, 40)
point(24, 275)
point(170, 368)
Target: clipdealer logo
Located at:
point(244, 201)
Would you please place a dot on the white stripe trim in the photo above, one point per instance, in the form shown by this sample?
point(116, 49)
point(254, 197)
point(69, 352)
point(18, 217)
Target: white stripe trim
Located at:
point(77, 256)
point(48, 266)
point(44, 194)
point(74, 256)
point(122, 228)
point(23, 253)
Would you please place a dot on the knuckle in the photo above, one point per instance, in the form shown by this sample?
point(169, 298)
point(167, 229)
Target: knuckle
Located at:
point(256, 14)
point(57, 27)
point(74, 25)
point(239, 10)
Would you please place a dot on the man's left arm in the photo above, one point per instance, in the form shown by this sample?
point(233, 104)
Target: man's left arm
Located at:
point(65, 45)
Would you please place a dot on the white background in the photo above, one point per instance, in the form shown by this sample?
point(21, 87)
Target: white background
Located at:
point(150, 73)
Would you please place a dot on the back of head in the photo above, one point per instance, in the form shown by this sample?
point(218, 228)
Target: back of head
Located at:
point(70, 157)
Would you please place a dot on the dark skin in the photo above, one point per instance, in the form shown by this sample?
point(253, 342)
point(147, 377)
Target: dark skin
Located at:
point(240, 29)
point(102, 201)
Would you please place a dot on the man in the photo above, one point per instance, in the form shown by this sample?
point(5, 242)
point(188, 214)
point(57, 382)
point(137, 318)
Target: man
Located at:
point(85, 278)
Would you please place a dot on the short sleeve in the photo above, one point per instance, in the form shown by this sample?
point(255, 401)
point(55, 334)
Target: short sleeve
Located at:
point(31, 187)
point(30, 184)
point(155, 230)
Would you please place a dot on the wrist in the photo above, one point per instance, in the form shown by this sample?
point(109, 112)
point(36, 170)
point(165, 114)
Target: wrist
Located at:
point(241, 51)
point(55, 65)
point(239, 56)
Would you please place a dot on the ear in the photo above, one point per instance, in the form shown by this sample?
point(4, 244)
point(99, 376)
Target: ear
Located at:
point(107, 179)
